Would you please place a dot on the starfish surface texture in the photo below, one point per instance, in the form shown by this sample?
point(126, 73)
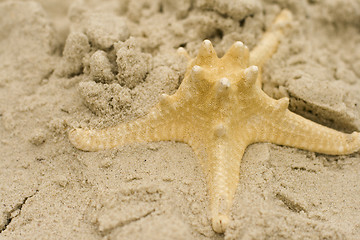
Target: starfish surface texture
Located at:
point(220, 109)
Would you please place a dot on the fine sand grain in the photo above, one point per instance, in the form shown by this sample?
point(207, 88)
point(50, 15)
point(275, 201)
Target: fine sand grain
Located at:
point(93, 63)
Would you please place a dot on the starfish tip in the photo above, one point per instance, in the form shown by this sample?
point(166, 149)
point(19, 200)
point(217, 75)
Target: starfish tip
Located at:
point(73, 135)
point(251, 74)
point(207, 42)
point(182, 52)
point(220, 223)
point(196, 68)
point(357, 139)
point(220, 130)
point(282, 103)
point(206, 53)
point(239, 44)
point(224, 82)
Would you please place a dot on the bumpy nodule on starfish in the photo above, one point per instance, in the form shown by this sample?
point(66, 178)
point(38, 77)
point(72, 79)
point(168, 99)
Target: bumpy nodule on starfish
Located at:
point(220, 109)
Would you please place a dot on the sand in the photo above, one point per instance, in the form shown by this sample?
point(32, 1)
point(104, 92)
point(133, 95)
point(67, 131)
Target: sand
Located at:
point(66, 64)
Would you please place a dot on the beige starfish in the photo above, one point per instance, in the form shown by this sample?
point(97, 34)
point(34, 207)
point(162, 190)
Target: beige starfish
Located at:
point(220, 109)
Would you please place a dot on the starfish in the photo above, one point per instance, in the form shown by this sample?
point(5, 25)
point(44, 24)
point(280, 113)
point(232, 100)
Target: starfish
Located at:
point(219, 109)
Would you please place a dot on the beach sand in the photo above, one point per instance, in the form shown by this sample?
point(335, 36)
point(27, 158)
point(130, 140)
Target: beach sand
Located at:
point(66, 64)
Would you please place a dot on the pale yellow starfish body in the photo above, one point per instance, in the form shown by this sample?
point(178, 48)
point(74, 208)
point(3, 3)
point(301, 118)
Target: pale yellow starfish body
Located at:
point(220, 109)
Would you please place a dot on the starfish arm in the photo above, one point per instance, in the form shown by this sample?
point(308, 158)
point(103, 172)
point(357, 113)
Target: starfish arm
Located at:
point(221, 163)
point(292, 130)
point(156, 126)
point(270, 40)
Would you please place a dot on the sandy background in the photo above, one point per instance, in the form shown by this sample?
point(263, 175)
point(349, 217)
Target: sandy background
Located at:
point(66, 64)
